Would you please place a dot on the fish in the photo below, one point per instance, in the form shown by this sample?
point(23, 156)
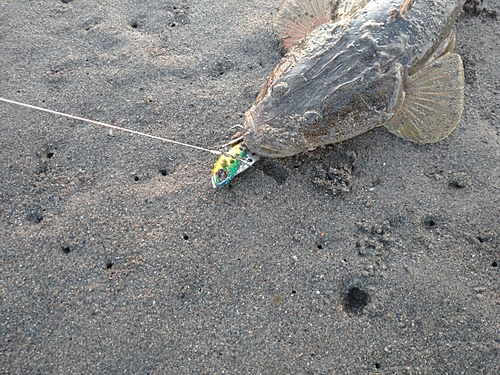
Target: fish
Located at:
point(354, 65)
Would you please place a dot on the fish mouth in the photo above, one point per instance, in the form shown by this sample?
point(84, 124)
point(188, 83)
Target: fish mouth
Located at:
point(257, 140)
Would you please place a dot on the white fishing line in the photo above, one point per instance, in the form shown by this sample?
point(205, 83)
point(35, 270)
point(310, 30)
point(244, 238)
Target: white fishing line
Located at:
point(103, 124)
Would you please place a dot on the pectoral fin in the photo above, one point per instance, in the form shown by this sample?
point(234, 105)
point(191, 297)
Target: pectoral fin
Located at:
point(433, 102)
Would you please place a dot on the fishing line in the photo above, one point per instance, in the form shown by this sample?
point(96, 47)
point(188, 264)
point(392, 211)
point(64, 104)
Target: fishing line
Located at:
point(103, 124)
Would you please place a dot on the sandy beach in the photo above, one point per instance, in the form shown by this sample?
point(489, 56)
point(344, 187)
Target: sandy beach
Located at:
point(373, 256)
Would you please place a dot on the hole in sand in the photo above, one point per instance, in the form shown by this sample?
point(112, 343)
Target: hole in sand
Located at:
point(356, 299)
point(431, 221)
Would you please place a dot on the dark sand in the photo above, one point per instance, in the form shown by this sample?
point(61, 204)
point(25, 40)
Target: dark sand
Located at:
point(118, 257)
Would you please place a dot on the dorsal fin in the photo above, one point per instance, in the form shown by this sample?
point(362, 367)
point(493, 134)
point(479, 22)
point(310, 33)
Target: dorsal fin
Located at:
point(297, 18)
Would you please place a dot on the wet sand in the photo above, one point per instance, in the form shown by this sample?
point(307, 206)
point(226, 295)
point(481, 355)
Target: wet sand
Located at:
point(117, 256)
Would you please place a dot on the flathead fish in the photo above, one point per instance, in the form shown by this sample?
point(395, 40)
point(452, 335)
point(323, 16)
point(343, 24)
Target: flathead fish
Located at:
point(354, 65)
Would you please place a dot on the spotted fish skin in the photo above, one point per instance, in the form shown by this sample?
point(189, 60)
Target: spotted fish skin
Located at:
point(378, 62)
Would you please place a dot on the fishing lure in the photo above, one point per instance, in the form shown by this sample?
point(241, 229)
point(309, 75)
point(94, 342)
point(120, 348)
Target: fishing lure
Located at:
point(237, 159)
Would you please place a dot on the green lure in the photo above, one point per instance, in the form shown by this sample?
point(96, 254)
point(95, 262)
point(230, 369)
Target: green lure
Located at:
point(237, 159)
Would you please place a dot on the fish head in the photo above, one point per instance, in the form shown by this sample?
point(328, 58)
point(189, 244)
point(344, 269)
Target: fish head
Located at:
point(278, 121)
point(273, 136)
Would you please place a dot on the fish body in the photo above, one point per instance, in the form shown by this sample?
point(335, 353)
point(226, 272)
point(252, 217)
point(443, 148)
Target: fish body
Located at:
point(355, 65)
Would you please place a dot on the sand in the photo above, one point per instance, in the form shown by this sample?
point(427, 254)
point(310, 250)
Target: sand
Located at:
point(117, 256)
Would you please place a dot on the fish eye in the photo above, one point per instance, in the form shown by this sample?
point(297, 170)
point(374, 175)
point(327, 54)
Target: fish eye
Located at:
point(279, 89)
point(312, 117)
